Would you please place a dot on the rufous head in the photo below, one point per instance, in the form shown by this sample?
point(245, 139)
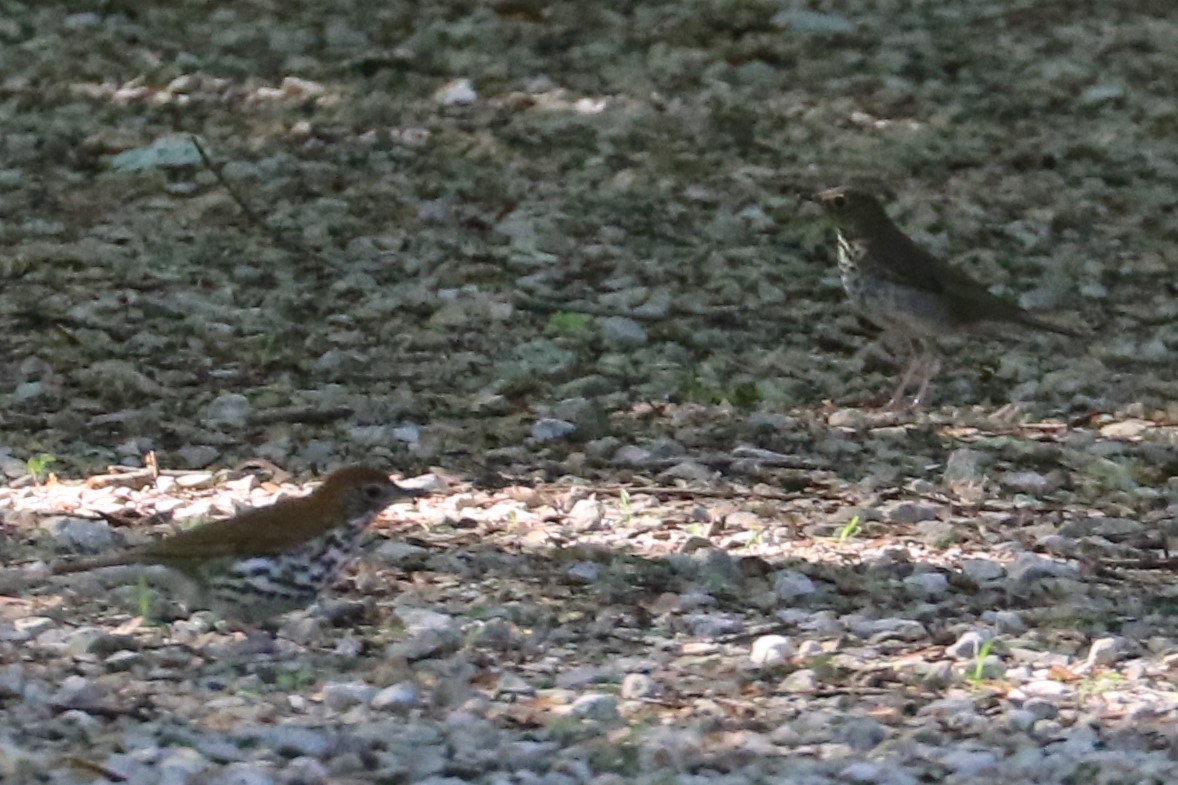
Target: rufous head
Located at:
point(361, 490)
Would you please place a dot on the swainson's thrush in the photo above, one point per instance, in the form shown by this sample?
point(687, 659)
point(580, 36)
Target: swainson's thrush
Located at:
point(274, 559)
point(911, 294)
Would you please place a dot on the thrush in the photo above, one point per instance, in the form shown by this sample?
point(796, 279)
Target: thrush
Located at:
point(909, 292)
point(270, 560)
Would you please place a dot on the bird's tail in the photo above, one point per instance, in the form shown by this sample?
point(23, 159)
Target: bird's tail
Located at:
point(1027, 320)
point(99, 562)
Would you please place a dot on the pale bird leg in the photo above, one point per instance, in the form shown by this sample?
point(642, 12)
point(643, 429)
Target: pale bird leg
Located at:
point(933, 365)
point(908, 347)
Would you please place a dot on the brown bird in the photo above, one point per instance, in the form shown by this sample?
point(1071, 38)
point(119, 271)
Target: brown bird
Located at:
point(273, 559)
point(911, 294)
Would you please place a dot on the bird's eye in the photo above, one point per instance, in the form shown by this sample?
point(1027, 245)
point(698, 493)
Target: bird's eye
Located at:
point(839, 201)
point(373, 492)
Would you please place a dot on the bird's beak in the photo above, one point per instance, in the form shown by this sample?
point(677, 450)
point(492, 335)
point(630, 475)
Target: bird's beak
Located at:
point(405, 492)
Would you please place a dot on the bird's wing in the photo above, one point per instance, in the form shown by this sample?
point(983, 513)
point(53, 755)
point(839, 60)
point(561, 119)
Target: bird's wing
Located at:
point(901, 260)
point(896, 257)
point(251, 533)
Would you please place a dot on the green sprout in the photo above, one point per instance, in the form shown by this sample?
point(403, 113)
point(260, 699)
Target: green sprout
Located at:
point(39, 465)
point(978, 674)
point(849, 530)
point(569, 322)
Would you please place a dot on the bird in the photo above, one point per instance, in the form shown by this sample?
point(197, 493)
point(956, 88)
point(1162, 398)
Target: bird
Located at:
point(906, 290)
point(266, 561)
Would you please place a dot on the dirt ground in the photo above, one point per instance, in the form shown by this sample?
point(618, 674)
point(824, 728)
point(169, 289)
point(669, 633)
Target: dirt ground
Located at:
point(553, 255)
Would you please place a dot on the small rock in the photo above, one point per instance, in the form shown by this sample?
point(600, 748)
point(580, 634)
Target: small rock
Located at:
point(548, 429)
point(983, 571)
point(771, 421)
point(854, 419)
point(122, 661)
point(1130, 430)
point(687, 470)
point(1106, 651)
point(790, 585)
point(1028, 482)
point(1114, 529)
point(804, 680)
point(242, 773)
point(195, 456)
point(511, 684)
point(80, 534)
point(622, 332)
point(927, 584)
point(595, 706)
point(12, 681)
point(911, 512)
point(630, 455)
point(346, 694)
point(1031, 568)
point(230, 410)
point(806, 22)
point(638, 685)
point(77, 691)
point(28, 627)
point(968, 646)
point(396, 552)
point(586, 514)
point(290, 740)
point(771, 650)
point(589, 417)
point(584, 572)
point(863, 734)
point(1007, 622)
point(456, 92)
point(1041, 709)
point(398, 697)
point(968, 764)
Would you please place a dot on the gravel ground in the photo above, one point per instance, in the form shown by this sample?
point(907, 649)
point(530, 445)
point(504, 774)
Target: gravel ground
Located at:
point(549, 260)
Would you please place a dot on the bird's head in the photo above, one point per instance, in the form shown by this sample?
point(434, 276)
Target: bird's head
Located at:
point(361, 491)
point(854, 212)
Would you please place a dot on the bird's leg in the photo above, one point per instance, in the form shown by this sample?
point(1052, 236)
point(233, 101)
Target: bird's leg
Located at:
point(897, 399)
point(932, 365)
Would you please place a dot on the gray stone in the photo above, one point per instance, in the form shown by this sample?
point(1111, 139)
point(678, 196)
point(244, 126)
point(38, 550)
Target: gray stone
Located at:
point(197, 456)
point(548, 429)
point(639, 685)
point(290, 740)
point(911, 512)
point(510, 683)
point(584, 572)
point(242, 773)
point(344, 695)
point(1030, 568)
point(397, 697)
point(983, 571)
point(862, 734)
point(804, 681)
point(790, 585)
point(771, 650)
point(228, 411)
point(968, 646)
point(589, 417)
point(586, 514)
point(621, 332)
point(12, 681)
point(629, 455)
point(80, 534)
point(1106, 651)
point(598, 706)
point(927, 584)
